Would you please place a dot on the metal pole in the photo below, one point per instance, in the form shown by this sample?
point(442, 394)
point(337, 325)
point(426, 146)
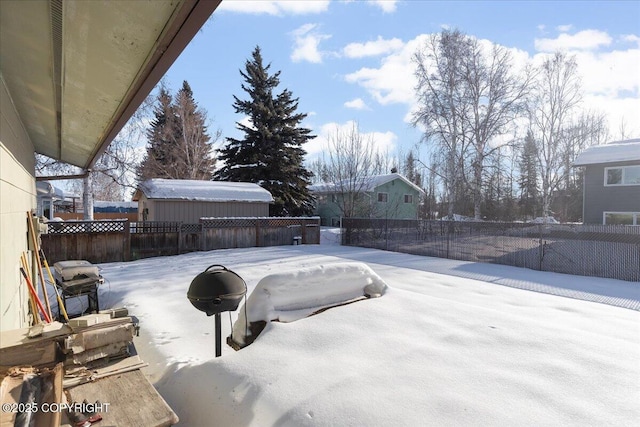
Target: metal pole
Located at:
point(218, 336)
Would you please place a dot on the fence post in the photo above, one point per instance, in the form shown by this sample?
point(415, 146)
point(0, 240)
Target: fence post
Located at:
point(126, 244)
point(179, 237)
point(540, 247)
point(202, 243)
point(448, 237)
point(303, 226)
point(258, 237)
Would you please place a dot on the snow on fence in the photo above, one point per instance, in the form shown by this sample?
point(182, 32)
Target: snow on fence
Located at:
point(122, 240)
point(611, 251)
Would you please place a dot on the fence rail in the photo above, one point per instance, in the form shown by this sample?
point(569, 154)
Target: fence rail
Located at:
point(122, 240)
point(587, 250)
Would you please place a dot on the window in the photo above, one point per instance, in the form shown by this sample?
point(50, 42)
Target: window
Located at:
point(408, 198)
point(622, 175)
point(622, 218)
point(383, 197)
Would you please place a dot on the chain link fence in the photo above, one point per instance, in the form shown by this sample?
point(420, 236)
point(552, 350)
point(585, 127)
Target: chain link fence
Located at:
point(586, 250)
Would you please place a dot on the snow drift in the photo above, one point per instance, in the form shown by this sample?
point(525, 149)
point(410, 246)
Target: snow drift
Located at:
point(293, 295)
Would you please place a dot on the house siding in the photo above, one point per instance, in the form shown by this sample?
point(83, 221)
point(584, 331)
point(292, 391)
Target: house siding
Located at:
point(17, 196)
point(599, 198)
point(191, 211)
point(395, 207)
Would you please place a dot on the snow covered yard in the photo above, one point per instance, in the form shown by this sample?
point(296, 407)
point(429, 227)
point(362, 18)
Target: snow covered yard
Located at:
point(436, 349)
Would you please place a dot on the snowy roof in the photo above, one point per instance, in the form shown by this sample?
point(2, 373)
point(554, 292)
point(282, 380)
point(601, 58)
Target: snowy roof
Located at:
point(617, 151)
point(46, 189)
point(110, 204)
point(209, 191)
point(369, 183)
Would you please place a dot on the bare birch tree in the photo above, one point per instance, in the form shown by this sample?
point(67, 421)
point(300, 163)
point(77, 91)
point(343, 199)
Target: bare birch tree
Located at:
point(496, 97)
point(551, 110)
point(442, 111)
point(351, 160)
point(469, 96)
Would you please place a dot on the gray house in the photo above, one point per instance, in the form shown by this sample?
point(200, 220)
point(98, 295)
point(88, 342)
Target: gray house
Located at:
point(389, 196)
point(611, 183)
point(189, 200)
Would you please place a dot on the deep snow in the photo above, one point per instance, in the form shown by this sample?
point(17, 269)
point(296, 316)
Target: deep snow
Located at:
point(436, 349)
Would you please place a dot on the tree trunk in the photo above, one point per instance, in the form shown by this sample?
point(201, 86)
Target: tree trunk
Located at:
point(87, 198)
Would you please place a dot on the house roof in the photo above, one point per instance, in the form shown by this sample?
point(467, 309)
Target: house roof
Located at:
point(207, 191)
point(614, 152)
point(77, 70)
point(368, 184)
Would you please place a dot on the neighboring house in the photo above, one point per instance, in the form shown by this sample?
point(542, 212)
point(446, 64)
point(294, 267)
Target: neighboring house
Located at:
point(189, 200)
point(381, 196)
point(71, 76)
point(47, 197)
point(611, 183)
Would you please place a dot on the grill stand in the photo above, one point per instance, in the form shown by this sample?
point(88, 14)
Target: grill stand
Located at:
point(218, 335)
point(90, 291)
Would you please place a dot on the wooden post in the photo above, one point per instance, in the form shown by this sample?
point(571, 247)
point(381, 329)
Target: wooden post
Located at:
point(303, 232)
point(126, 242)
point(258, 237)
point(36, 256)
point(202, 244)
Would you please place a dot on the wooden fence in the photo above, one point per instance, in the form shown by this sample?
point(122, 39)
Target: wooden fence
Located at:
point(122, 240)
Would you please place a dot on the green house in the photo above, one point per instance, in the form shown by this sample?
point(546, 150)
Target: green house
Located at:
point(381, 196)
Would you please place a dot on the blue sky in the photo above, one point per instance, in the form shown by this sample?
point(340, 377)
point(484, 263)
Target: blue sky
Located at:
point(350, 60)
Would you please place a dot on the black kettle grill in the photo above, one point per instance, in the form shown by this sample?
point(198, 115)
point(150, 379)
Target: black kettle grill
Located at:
point(215, 290)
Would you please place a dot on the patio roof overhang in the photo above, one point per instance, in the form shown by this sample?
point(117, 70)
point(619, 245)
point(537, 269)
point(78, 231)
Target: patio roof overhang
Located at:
point(78, 70)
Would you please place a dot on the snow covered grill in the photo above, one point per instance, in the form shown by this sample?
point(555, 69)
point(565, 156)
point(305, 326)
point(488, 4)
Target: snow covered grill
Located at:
point(76, 275)
point(78, 278)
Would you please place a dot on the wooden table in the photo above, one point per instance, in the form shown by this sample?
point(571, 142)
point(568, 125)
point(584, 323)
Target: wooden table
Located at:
point(132, 399)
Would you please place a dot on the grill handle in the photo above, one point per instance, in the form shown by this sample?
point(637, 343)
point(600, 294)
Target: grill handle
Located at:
point(217, 265)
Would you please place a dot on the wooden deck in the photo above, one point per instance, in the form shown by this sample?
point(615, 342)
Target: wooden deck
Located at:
point(131, 399)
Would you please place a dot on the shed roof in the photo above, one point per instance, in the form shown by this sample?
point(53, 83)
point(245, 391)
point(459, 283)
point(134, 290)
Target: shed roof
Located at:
point(207, 191)
point(614, 152)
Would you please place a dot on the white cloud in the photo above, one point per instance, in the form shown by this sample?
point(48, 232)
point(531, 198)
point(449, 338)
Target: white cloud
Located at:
point(372, 48)
point(631, 38)
point(246, 121)
point(306, 43)
point(564, 28)
point(610, 79)
point(582, 40)
point(383, 142)
point(387, 6)
point(541, 27)
point(617, 110)
point(393, 82)
point(272, 7)
point(357, 104)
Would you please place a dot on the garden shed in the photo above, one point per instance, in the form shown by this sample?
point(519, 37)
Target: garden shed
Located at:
point(189, 200)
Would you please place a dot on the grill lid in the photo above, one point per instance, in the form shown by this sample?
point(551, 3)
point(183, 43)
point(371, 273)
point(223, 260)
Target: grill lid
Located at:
point(216, 289)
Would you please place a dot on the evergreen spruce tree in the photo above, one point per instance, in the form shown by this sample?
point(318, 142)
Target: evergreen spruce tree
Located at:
point(271, 153)
point(178, 140)
point(194, 159)
point(528, 181)
point(158, 155)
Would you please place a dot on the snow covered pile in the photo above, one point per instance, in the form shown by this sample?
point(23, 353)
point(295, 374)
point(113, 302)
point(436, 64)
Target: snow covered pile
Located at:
point(296, 294)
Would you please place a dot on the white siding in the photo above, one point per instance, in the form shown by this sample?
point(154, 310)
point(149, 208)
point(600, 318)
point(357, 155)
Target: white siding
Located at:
point(17, 196)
